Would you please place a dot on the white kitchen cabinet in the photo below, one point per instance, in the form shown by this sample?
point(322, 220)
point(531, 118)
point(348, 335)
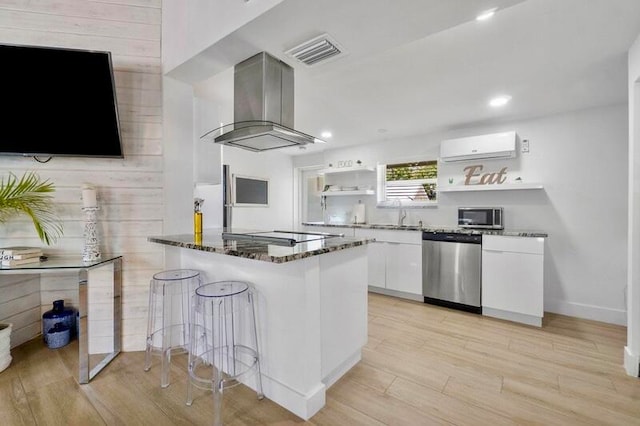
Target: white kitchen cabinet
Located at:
point(404, 268)
point(376, 259)
point(395, 262)
point(513, 279)
point(347, 231)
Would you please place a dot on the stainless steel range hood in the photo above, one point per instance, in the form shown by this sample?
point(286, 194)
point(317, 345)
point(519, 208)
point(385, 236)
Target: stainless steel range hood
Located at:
point(262, 107)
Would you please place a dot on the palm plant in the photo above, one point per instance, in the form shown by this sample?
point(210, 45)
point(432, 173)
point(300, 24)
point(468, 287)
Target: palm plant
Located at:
point(30, 195)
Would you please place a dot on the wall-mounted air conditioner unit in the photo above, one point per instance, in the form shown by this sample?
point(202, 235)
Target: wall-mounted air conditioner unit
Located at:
point(495, 145)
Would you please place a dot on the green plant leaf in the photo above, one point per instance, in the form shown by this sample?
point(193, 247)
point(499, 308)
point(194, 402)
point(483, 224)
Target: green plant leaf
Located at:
point(30, 195)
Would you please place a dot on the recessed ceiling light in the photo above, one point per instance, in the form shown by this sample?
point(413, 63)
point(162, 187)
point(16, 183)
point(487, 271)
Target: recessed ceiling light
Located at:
point(326, 135)
point(486, 14)
point(499, 101)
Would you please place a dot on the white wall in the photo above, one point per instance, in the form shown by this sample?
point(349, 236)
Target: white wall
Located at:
point(276, 167)
point(212, 108)
point(632, 350)
point(209, 115)
point(189, 27)
point(581, 159)
point(178, 157)
point(130, 191)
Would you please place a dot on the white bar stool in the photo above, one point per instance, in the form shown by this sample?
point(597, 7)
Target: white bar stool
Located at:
point(170, 298)
point(224, 344)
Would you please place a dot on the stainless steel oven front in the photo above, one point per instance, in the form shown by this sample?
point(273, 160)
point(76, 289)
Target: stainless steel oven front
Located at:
point(480, 217)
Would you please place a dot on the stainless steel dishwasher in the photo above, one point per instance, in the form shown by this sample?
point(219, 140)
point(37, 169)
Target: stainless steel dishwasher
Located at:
point(451, 270)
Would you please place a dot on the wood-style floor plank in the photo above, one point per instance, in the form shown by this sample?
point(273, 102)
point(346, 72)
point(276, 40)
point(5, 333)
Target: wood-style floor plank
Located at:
point(450, 366)
point(38, 366)
point(336, 412)
point(14, 405)
point(404, 365)
point(381, 406)
point(367, 375)
point(444, 406)
point(585, 411)
point(520, 411)
point(62, 402)
point(422, 365)
point(598, 395)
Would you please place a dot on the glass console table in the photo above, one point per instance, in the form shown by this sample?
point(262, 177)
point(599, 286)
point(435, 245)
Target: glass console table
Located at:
point(99, 307)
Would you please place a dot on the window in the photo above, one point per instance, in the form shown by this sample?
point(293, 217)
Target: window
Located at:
point(412, 183)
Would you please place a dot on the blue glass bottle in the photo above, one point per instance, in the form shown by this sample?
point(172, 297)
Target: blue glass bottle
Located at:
point(59, 314)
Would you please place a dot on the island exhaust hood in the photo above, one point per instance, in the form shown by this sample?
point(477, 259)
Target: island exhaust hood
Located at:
point(262, 107)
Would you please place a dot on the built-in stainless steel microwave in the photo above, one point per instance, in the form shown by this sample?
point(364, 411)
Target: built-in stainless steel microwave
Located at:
point(480, 217)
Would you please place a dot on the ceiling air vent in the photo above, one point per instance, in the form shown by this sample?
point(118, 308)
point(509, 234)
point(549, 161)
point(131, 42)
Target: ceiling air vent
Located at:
point(316, 50)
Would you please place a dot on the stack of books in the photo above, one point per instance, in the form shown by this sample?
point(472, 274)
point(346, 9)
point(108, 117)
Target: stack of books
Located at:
point(15, 256)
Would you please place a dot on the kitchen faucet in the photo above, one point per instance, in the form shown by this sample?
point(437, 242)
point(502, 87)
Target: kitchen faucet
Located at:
point(402, 214)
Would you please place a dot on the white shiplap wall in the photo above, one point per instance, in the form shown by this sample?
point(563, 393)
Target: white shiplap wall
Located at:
point(130, 191)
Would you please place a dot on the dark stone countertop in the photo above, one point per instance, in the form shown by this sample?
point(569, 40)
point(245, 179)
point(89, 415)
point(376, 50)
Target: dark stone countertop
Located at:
point(428, 228)
point(213, 242)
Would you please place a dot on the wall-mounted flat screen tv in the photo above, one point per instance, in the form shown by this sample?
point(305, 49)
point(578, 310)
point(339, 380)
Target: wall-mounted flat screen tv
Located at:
point(58, 102)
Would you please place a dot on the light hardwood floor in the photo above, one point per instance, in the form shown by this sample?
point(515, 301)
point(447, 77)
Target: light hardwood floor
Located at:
point(422, 365)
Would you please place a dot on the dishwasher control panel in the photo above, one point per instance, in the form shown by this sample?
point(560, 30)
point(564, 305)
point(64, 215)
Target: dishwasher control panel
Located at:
point(453, 237)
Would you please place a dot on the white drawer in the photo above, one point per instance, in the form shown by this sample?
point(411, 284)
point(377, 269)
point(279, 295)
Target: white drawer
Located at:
point(391, 236)
point(532, 245)
point(347, 231)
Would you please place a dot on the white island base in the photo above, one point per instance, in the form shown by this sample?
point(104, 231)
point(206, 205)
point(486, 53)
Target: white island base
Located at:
point(312, 318)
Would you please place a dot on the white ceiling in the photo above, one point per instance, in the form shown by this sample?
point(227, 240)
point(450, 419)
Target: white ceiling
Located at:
point(418, 66)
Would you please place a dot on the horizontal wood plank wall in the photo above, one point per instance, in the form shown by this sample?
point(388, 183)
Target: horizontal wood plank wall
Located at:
point(130, 193)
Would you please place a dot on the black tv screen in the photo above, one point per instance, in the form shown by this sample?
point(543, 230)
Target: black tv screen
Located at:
point(57, 102)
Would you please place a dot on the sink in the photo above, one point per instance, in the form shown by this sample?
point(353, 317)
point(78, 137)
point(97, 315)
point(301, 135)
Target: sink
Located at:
point(392, 226)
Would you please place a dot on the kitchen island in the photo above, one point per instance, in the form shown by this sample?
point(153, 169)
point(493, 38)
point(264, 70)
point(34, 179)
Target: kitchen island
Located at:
point(311, 304)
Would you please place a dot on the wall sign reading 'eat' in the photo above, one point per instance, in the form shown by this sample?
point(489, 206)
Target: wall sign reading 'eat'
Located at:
point(473, 176)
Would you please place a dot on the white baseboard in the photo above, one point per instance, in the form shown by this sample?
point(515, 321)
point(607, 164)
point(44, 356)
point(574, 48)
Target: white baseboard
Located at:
point(341, 370)
point(513, 316)
point(302, 405)
point(590, 312)
point(396, 293)
point(631, 363)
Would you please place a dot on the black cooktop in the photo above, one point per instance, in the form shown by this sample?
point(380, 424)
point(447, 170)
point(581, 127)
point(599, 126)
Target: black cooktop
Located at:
point(286, 238)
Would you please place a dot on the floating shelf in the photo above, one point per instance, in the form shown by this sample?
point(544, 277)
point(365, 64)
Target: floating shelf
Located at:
point(359, 192)
point(413, 205)
point(494, 187)
point(332, 170)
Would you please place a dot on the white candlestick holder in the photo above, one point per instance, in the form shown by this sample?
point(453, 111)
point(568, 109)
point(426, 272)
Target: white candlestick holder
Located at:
point(91, 250)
